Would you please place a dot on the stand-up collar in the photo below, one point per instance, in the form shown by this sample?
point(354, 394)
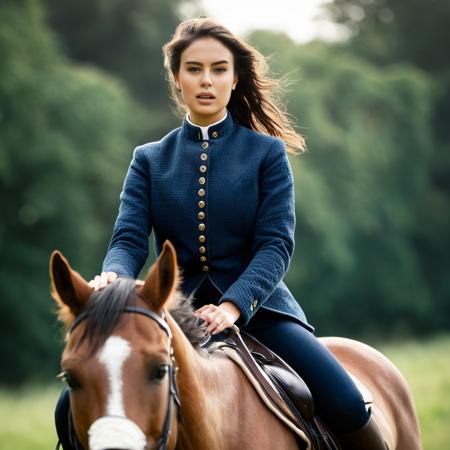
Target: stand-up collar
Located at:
point(215, 131)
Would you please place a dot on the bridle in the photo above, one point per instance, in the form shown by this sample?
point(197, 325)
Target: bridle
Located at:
point(173, 395)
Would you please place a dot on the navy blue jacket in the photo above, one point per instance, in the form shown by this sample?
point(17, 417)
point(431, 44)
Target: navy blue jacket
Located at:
point(227, 206)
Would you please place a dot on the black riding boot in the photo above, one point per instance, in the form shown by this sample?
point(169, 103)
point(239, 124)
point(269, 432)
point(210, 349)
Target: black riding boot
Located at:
point(368, 437)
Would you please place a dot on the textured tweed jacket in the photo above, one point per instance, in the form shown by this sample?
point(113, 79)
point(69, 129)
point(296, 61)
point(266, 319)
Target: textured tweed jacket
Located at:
point(227, 205)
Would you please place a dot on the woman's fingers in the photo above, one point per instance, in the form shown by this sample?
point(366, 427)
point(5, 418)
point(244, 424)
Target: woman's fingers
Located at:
point(214, 327)
point(205, 308)
point(112, 276)
point(102, 280)
point(217, 318)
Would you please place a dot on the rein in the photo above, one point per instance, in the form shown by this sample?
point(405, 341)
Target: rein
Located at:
point(173, 394)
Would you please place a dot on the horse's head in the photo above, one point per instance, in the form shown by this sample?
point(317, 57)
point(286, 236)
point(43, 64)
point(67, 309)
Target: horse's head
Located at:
point(118, 359)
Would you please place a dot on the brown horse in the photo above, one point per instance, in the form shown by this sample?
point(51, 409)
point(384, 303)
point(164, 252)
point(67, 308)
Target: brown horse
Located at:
point(132, 345)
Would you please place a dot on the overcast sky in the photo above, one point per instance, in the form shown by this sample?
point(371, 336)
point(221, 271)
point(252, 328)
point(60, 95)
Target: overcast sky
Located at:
point(296, 17)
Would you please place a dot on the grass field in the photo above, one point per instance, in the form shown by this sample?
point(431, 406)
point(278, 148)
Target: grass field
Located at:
point(26, 415)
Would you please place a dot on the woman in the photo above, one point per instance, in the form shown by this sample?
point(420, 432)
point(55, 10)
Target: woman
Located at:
point(220, 188)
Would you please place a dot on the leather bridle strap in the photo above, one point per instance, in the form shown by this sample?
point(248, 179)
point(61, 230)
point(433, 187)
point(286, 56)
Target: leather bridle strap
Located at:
point(130, 309)
point(173, 388)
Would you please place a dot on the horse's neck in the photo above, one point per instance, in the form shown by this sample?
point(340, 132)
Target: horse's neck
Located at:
point(199, 382)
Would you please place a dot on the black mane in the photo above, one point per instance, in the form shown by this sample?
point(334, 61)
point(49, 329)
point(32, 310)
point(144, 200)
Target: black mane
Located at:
point(106, 306)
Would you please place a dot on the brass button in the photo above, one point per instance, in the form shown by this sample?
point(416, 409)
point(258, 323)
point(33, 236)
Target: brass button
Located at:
point(201, 226)
point(202, 258)
point(202, 169)
point(205, 145)
point(201, 204)
point(205, 268)
point(201, 215)
point(203, 156)
point(202, 238)
point(214, 134)
point(202, 249)
point(201, 192)
point(255, 302)
point(202, 180)
point(251, 306)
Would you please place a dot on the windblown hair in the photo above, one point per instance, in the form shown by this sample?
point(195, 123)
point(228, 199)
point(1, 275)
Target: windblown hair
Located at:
point(106, 306)
point(256, 101)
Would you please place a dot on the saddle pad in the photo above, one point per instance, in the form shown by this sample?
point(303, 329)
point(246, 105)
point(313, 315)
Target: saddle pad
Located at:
point(235, 357)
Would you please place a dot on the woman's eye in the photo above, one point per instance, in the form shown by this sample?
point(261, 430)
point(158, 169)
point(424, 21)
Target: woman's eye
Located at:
point(159, 372)
point(217, 69)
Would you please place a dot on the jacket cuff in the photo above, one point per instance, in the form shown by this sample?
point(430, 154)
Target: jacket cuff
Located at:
point(114, 262)
point(245, 302)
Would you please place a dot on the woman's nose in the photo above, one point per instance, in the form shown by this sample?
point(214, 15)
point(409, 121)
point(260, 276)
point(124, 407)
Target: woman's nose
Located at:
point(206, 80)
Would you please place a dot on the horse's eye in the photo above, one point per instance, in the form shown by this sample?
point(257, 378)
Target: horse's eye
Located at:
point(70, 379)
point(160, 372)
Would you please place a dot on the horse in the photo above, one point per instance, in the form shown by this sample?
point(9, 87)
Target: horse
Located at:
point(139, 379)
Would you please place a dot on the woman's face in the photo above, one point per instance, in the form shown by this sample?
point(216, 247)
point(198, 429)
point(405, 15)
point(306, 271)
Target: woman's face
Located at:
point(206, 67)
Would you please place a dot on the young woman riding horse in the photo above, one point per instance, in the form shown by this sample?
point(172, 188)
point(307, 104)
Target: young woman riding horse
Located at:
point(220, 188)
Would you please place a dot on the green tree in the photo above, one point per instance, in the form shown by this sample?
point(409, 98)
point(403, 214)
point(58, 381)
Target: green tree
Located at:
point(66, 133)
point(393, 31)
point(388, 32)
point(125, 38)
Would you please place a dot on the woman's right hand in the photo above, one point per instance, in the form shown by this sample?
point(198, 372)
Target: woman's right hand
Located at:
point(102, 280)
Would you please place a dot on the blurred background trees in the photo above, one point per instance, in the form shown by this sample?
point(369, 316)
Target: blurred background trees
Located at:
point(82, 83)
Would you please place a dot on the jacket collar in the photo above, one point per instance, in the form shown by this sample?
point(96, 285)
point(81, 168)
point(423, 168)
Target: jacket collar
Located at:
point(218, 130)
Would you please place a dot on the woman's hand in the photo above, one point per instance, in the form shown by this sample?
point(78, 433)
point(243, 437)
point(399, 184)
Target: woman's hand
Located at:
point(102, 280)
point(219, 317)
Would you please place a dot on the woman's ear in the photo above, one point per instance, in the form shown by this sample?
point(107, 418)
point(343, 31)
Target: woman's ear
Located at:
point(177, 81)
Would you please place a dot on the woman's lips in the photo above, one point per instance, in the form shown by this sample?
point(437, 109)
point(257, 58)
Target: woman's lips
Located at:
point(205, 100)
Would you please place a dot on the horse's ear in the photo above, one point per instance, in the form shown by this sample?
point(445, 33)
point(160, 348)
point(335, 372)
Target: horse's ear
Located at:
point(68, 287)
point(162, 278)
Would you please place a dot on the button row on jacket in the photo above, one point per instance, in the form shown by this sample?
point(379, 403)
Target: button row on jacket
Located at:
point(253, 305)
point(201, 204)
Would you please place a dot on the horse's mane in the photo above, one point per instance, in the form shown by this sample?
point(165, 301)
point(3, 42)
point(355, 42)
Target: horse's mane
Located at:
point(105, 307)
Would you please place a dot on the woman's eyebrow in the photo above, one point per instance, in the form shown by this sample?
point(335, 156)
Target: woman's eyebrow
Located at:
point(224, 61)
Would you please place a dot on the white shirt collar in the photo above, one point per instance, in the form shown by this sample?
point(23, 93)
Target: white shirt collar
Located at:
point(205, 128)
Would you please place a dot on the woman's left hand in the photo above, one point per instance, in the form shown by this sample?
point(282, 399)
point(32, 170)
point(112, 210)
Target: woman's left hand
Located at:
point(219, 317)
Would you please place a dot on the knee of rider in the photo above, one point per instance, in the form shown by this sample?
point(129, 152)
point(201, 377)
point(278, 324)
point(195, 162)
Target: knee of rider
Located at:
point(351, 410)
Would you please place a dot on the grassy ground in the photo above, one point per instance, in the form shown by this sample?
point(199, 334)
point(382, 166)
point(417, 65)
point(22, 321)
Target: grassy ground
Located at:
point(26, 418)
point(26, 415)
point(426, 366)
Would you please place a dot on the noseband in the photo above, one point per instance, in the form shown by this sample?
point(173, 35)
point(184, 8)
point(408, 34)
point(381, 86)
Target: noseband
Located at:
point(173, 395)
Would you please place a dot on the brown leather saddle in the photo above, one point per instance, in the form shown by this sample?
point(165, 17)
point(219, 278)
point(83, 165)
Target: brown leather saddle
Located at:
point(285, 389)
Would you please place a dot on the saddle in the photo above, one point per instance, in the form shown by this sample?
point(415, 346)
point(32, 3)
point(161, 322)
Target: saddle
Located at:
point(280, 387)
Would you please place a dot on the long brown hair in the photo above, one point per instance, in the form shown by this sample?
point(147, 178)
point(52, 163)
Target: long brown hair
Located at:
point(256, 101)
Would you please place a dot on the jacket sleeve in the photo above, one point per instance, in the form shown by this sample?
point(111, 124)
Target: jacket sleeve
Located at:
point(129, 246)
point(273, 241)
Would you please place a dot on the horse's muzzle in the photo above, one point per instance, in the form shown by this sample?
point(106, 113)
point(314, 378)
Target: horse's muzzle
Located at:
point(114, 432)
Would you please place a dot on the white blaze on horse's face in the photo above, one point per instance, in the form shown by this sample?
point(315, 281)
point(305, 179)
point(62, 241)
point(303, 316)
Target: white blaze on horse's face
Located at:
point(115, 430)
point(113, 355)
